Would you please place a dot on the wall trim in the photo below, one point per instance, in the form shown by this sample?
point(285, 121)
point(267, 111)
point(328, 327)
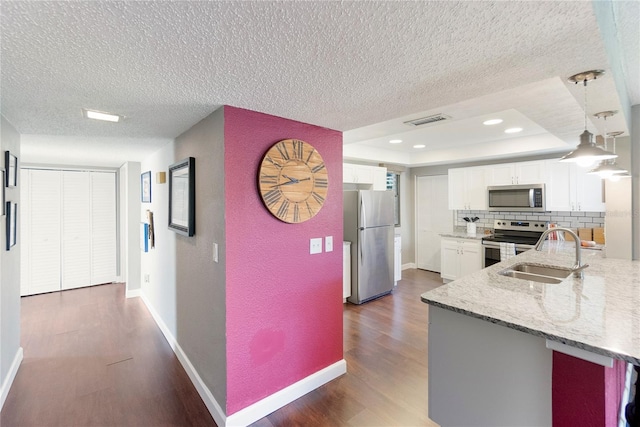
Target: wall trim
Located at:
point(258, 410)
point(136, 293)
point(409, 266)
point(214, 408)
point(11, 375)
point(277, 400)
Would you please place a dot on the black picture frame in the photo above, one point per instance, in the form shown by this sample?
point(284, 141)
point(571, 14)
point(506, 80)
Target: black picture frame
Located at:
point(182, 197)
point(11, 168)
point(4, 196)
point(145, 187)
point(12, 224)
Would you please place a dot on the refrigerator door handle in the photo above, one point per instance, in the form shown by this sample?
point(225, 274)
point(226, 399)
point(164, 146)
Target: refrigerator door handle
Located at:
point(363, 216)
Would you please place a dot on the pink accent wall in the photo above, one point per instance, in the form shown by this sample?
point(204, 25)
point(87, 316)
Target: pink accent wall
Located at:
point(585, 394)
point(284, 306)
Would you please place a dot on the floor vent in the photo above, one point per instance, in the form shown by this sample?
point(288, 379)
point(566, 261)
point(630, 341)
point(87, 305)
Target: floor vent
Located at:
point(426, 120)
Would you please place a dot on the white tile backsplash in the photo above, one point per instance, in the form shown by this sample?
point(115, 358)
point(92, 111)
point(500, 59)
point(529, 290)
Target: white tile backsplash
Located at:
point(576, 219)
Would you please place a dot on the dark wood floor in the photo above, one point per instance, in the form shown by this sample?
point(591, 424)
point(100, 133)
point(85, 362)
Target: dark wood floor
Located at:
point(94, 358)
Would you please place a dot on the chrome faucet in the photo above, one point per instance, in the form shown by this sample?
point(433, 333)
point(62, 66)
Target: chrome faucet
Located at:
point(578, 267)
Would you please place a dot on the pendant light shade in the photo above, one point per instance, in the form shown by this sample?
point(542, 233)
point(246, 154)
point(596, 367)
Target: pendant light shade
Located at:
point(587, 153)
point(607, 170)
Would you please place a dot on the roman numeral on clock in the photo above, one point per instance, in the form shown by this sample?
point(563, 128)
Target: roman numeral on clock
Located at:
point(318, 197)
point(296, 213)
point(273, 162)
point(282, 149)
point(318, 168)
point(298, 149)
point(272, 197)
point(284, 209)
point(269, 179)
point(321, 182)
point(309, 209)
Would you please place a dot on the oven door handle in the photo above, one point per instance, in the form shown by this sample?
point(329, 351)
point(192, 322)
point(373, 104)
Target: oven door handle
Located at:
point(491, 245)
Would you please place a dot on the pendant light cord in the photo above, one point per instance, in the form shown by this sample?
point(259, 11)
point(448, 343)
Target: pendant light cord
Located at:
point(585, 103)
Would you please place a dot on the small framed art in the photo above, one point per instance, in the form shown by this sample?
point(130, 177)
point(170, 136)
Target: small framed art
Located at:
point(182, 197)
point(145, 187)
point(3, 208)
point(11, 167)
point(12, 222)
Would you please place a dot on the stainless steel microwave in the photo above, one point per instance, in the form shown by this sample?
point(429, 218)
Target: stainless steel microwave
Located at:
point(527, 198)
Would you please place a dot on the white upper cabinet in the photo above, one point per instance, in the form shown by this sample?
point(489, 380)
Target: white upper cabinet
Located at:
point(468, 188)
point(517, 173)
point(570, 188)
point(363, 174)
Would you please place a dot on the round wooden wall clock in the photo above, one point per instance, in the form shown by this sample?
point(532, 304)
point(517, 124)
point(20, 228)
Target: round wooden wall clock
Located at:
point(293, 181)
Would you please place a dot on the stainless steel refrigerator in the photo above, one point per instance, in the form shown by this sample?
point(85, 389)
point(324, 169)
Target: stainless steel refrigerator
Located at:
point(369, 226)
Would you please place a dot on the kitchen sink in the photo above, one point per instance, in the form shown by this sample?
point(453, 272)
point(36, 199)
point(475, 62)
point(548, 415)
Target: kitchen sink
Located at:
point(536, 273)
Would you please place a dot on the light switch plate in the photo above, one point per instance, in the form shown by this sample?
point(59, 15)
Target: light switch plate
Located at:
point(215, 252)
point(328, 244)
point(315, 246)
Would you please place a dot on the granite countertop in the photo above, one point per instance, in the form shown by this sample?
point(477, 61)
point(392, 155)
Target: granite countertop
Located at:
point(598, 313)
point(462, 234)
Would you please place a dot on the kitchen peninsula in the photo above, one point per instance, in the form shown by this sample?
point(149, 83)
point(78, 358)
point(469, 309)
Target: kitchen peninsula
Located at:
point(499, 345)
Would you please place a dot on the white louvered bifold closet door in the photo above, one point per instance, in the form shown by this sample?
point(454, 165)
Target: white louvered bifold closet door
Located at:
point(103, 227)
point(76, 229)
point(68, 229)
point(40, 241)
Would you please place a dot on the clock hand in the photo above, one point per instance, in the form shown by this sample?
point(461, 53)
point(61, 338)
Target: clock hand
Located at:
point(290, 179)
point(293, 181)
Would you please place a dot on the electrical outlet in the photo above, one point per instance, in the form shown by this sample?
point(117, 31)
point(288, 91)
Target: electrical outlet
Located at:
point(315, 246)
point(215, 252)
point(146, 278)
point(328, 244)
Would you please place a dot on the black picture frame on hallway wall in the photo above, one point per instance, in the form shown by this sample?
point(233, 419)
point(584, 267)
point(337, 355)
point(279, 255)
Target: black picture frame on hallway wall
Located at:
point(12, 223)
point(182, 197)
point(11, 168)
point(145, 187)
point(4, 196)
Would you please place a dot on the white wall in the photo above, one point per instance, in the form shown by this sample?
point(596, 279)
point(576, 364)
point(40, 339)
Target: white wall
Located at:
point(10, 350)
point(185, 288)
point(129, 208)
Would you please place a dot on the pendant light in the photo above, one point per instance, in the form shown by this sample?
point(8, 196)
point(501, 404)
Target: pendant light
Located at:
point(607, 168)
point(623, 172)
point(586, 153)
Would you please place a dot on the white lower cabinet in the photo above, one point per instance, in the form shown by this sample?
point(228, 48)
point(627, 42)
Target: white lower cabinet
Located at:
point(459, 257)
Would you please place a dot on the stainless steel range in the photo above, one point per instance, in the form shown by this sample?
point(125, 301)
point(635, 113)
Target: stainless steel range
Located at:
point(523, 234)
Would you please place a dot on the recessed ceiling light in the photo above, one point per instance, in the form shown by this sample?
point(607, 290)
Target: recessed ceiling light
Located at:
point(513, 130)
point(492, 122)
point(419, 146)
point(395, 141)
point(100, 115)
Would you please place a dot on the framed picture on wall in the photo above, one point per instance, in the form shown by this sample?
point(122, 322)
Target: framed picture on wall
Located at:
point(145, 187)
point(182, 197)
point(4, 208)
point(12, 222)
point(11, 166)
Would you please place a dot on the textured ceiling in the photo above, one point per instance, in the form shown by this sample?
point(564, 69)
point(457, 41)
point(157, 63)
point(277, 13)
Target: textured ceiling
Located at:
point(342, 65)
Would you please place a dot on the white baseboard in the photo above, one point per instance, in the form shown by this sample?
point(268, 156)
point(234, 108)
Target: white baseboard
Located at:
point(11, 375)
point(258, 410)
point(214, 408)
point(408, 265)
point(135, 293)
point(277, 400)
